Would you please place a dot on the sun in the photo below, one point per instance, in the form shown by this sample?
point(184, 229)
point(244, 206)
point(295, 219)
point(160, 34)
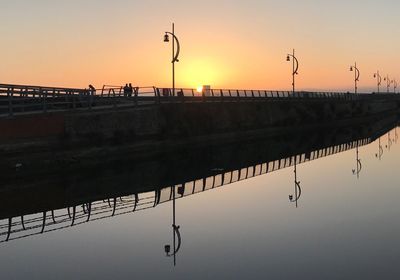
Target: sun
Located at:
point(200, 89)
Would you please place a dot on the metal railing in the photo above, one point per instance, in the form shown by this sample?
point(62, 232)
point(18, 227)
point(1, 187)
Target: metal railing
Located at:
point(24, 226)
point(25, 99)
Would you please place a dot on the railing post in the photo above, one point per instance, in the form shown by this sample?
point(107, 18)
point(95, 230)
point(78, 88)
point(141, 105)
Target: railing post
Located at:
point(10, 101)
point(90, 98)
point(114, 98)
point(74, 101)
point(44, 97)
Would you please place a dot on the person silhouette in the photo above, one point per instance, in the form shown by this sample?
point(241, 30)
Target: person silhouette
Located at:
point(92, 90)
point(130, 90)
point(126, 90)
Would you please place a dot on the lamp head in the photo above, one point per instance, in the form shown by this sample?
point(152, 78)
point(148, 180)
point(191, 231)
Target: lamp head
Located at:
point(288, 58)
point(166, 38)
point(374, 75)
point(351, 68)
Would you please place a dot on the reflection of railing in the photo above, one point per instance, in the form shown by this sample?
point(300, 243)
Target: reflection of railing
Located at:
point(28, 225)
point(23, 99)
point(24, 226)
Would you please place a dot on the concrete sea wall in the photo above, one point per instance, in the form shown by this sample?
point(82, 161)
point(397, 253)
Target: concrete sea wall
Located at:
point(95, 135)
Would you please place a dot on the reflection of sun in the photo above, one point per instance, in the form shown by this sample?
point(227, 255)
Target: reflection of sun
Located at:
point(200, 89)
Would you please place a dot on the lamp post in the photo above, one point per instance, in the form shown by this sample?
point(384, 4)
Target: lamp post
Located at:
point(356, 76)
point(387, 79)
point(297, 189)
point(175, 55)
point(295, 68)
point(394, 82)
point(378, 79)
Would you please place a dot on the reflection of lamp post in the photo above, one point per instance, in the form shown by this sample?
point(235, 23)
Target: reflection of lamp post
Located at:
point(174, 55)
point(359, 165)
point(297, 188)
point(389, 142)
point(175, 231)
point(380, 150)
point(356, 75)
point(378, 79)
point(295, 68)
point(387, 79)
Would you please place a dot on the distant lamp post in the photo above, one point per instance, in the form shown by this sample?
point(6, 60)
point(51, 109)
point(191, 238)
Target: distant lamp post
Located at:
point(295, 68)
point(387, 79)
point(356, 76)
point(394, 82)
point(378, 80)
point(297, 189)
point(175, 55)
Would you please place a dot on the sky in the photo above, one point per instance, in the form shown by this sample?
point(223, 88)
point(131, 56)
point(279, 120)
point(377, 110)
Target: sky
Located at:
point(225, 44)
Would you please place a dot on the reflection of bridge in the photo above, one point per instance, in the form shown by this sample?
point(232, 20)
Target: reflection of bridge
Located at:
point(21, 226)
point(25, 99)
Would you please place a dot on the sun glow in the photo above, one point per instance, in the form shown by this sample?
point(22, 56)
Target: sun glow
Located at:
point(199, 89)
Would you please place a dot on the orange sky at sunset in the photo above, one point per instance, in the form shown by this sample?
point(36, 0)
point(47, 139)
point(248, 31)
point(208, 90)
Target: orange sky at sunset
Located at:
point(227, 44)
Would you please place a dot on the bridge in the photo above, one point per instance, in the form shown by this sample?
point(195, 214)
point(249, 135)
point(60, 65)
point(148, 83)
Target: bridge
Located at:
point(27, 99)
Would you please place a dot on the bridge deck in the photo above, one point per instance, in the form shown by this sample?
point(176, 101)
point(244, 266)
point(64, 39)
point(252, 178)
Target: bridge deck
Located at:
point(24, 99)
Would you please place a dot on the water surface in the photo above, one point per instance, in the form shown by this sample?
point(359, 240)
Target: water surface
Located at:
point(235, 217)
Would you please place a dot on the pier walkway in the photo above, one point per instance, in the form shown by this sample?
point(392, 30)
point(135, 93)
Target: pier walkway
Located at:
point(26, 99)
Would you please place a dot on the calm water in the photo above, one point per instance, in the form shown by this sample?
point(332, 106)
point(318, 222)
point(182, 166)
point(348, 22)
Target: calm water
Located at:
point(345, 226)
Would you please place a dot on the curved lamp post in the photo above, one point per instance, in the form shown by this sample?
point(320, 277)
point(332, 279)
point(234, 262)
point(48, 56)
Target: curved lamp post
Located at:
point(297, 189)
point(387, 79)
point(175, 232)
point(356, 76)
point(175, 55)
point(357, 171)
point(295, 68)
point(378, 79)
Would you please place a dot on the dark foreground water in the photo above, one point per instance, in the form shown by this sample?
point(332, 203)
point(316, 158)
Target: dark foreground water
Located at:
point(346, 224)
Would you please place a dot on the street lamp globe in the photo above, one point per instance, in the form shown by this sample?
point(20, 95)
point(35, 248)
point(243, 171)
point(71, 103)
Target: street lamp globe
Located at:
point(166, 38)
